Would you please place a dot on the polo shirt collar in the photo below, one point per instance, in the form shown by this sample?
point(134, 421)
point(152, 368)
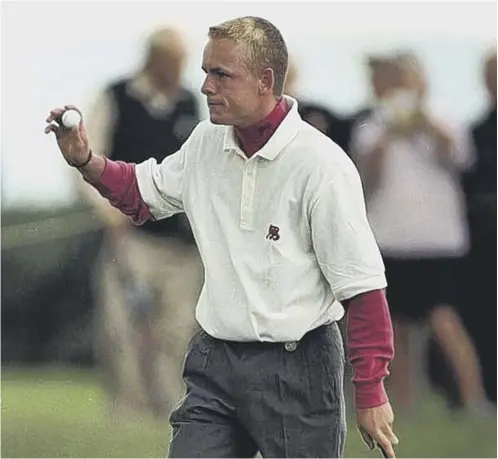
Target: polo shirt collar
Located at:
point(285, 132)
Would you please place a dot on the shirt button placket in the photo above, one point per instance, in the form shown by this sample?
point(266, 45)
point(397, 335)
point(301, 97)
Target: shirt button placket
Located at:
point(247, 200)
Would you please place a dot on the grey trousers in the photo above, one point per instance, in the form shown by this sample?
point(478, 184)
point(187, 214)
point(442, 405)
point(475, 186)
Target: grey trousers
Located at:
point(281, 399)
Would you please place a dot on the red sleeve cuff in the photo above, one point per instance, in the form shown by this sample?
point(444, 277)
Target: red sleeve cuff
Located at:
point(113, 173)
point(370, 346)
point(370, 395)
point(118, 183)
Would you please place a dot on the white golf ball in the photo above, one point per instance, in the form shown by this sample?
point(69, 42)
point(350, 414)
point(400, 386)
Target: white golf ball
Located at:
point(70, 119)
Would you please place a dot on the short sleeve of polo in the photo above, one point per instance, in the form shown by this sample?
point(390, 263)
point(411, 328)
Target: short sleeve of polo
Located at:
point(343, 241)
point(162, 185)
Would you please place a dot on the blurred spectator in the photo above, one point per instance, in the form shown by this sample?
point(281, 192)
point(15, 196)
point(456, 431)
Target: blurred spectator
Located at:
point(318, 115)
point(480, 187)
point(384, 77)
point(411, 163)
point(148, 275)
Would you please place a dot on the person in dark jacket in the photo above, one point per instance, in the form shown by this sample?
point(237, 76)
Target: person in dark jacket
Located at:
point(480, 188)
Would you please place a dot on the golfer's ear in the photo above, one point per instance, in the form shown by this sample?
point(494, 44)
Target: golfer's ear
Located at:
point(266, 81)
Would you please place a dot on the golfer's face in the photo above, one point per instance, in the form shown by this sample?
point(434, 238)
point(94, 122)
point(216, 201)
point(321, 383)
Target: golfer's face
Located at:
point(231, 90)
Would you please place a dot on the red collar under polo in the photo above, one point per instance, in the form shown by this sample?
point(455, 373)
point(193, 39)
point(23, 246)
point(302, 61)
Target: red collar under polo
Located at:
point(253, 138)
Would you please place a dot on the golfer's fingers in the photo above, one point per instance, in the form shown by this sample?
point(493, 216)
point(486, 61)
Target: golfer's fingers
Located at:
point(55, 114)
point(384, 454)
point(367, 438)
point(52, 128)
point(388, 432)
point(382, 441)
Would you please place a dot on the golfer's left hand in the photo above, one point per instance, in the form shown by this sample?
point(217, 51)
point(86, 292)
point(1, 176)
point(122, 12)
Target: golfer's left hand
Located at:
point(376, 428)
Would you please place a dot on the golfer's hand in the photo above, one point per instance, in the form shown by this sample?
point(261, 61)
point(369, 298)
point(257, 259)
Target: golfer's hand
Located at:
point(73, 143)
point(376, 428)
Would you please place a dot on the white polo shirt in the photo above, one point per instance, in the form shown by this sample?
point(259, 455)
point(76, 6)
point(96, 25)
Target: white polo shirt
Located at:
point(283, 235)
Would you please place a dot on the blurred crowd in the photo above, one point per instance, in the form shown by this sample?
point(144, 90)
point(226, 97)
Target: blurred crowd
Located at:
point(430, 188)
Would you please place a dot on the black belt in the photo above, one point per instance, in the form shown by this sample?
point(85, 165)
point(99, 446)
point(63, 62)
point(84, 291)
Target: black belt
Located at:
point(289, 346)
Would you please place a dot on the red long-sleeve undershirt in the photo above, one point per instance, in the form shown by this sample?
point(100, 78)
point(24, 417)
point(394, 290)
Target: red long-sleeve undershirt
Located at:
point(369, 345)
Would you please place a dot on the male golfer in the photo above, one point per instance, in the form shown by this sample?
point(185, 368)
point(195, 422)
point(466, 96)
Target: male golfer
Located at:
point(278, 213)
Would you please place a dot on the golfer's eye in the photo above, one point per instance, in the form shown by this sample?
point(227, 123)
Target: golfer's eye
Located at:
point(221, 74)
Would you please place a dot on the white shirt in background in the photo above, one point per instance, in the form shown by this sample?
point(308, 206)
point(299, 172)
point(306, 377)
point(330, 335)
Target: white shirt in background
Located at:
point(417, 208)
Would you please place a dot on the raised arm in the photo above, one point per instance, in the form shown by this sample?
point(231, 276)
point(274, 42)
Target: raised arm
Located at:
point(74, 145)
point(100, 125)
point(129, 190)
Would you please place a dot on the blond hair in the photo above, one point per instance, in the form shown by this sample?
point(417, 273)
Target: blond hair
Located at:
point(264, 46)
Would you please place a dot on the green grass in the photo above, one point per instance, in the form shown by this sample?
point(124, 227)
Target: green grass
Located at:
point(62, 413)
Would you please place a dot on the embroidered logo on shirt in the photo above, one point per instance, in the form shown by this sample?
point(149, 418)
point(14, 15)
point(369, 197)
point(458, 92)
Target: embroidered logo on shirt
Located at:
point(273, 233)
